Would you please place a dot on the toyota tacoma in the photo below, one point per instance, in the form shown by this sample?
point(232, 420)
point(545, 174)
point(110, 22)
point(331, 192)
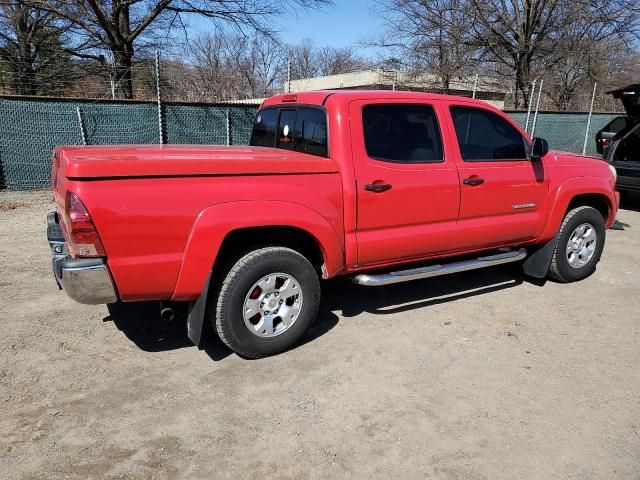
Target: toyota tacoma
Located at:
point(382, 187)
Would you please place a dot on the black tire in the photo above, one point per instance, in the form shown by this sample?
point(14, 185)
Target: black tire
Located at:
point(226, 312)
point(560, 268)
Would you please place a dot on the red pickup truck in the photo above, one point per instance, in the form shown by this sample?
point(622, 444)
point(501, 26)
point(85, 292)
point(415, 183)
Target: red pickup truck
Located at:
point(381, 186)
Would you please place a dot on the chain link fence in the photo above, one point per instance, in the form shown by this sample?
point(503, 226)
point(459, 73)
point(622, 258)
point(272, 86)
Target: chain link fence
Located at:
point(566, 131)
point(31, 128)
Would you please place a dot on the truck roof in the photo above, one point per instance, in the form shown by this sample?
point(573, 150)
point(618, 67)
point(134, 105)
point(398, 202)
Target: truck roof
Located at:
point(319, 97)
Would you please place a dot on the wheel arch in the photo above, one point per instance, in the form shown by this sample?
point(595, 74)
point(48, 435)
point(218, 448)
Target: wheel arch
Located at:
point(594, 200)
point(225, 230)
point(576, 192)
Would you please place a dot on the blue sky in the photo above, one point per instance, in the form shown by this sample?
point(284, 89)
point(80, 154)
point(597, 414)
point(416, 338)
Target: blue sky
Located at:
point(345, 24)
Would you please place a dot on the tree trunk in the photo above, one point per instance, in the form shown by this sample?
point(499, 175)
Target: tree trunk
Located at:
point(123, 50)
point(123, 63)
point(522, 84)
point(23, 73)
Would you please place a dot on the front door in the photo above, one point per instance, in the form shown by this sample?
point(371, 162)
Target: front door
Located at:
point(503, 197)
point(407, 183)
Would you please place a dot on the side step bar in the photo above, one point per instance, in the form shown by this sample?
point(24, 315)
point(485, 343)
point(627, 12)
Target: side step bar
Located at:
point(437, 270)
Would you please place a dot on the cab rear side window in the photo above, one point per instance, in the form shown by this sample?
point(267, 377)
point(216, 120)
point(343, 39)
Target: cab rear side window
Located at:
point(302, 129)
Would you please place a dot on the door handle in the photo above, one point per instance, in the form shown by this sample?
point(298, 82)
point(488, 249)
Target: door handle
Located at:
point(377, 187)
point(473, 180)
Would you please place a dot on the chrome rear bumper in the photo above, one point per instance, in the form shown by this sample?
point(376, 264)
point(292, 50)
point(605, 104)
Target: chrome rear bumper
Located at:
point(85, 280)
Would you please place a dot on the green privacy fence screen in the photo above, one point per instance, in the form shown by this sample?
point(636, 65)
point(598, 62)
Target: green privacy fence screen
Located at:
point(565, 131)
point(30, 128)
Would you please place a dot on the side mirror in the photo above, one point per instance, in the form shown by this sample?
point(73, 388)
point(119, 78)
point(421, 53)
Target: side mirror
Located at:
point(539, 148)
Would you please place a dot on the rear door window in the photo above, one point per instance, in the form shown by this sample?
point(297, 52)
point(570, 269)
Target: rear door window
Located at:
point(402, 133)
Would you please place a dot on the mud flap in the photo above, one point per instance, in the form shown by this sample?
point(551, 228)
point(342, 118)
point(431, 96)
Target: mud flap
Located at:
point(197, 311)
point(537, 264)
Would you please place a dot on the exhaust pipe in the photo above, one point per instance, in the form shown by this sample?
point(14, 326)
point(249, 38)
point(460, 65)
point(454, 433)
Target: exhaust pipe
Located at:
point(167, 314)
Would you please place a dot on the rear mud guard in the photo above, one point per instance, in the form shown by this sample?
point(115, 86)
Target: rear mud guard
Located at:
point(537, 263)
point(197, 311)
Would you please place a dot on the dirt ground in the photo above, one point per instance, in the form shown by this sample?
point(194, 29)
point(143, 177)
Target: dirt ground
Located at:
point(475, 376)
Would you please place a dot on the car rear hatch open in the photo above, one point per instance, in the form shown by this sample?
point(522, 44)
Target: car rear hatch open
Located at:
point(630, 97)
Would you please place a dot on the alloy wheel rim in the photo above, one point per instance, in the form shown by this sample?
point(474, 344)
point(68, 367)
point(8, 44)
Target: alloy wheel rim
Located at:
point(581, 245)
point(272, 305)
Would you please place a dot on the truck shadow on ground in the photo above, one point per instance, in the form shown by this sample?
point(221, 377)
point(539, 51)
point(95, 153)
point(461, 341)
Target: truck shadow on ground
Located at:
point(352, 300)
point(141, 323)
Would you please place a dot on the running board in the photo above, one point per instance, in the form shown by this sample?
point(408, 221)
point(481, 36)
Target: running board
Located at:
point(437, 270)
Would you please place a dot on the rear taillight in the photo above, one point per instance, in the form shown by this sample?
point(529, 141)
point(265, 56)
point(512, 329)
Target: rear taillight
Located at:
point(79, 230)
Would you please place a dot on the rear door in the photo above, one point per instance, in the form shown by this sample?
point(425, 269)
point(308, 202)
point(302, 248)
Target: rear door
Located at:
point(407, 183)
point(503, 196)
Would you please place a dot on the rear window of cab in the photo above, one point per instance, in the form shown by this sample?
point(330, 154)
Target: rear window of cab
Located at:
point(301, 129)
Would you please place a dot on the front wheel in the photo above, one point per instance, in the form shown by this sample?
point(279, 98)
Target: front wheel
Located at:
point(580, 243)
point(267, 301)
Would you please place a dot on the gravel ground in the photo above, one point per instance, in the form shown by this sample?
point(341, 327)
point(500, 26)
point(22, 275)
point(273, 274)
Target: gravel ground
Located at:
point(474, 376)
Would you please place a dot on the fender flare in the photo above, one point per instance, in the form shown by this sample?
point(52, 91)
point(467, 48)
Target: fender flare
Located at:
point(569, 189)
point(214, 223)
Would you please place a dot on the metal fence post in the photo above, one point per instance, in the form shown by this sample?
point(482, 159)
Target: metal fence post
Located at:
point(586, 133)
point(160, 126)
point(475, 86)
point(81, 123)
point(228, 127)
point(532, 91)
point(535, 116)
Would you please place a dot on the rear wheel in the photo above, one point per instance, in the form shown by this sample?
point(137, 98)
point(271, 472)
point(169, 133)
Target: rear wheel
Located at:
point(580, 243)
point(267, 301)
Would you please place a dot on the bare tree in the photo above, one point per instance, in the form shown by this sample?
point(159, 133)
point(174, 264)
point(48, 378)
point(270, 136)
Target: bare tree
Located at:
point(212, 72)
point(331, 61)
point(521, 35)
point(431, 36)
point(224, 65)
point(119, 26)
point(309, 61)
point(31, 51)
point(579, 63)
point(303, 60)
point(268, 62)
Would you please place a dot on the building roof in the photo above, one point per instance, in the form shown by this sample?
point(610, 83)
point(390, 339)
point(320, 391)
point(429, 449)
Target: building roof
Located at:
point(386, 80)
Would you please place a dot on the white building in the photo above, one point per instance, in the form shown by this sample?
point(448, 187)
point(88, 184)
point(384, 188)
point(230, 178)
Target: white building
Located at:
point(490, 91)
